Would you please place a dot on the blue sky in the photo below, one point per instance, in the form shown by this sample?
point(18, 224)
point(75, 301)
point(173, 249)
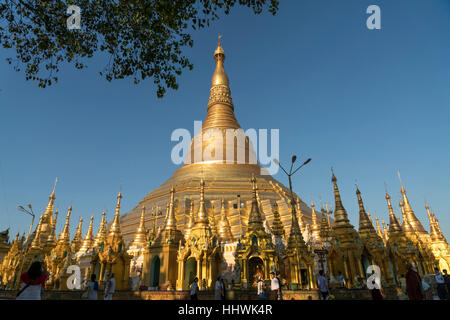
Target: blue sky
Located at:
point(367, 102)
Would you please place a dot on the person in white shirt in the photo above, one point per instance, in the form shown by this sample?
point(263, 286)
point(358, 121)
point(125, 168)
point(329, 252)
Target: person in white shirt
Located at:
point(194, 289)
point(275, 286)
point(110, 287)
point(323, 285)
point(440, 281)
point(260, 288)
point(92, 288)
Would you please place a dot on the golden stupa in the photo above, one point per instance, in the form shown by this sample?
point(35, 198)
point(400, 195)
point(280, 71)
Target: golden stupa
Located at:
point(228, 181)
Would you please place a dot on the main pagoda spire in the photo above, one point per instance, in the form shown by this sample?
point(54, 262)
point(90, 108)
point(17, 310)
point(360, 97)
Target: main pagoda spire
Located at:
point(220, 105)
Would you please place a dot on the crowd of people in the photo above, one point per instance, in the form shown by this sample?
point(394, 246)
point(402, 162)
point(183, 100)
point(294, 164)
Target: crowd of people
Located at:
point(32, 284)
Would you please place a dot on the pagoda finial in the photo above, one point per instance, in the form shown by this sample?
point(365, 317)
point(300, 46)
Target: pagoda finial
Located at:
point(366, 229)
point(65, 234)
point(340, 214)
point(220, 105)
point(277, 224)
point(191, 222)
point(140, 237)
point(115, 226)
point(171, 222)
point(224, 229)
point(102, 231)
point(88, 241)
point(394, 225)
point(315, 227)
point(202, 214)
point(254, 219)
point(415, 224)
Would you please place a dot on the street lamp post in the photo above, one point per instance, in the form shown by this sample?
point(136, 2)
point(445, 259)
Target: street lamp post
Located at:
point(291, 173)
point(25, 248)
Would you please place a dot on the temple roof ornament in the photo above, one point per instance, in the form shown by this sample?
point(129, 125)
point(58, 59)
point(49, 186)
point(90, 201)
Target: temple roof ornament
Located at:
point(191, 222)
point(315, 226)
point(224, 230)
point(409, 213)
point(366, 229)
point(277, 224)
point(88, 241)
point(141, 232)
point(65, 234)
point(77, 240)
point(102, 233)
point(394, 225)
point(255, 219)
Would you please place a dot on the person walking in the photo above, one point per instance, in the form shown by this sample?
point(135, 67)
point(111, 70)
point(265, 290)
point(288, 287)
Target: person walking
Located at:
point(260, 287)
point(32, 282)
point(413, 284)
point(193, 291)
point(323, 286)
point(110, 287)
point(218, 289)
point(92, 288)
point(440, 282)
point(223, 288)
point(275, 286)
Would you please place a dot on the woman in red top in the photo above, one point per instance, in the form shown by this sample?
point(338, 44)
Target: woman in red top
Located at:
point(32, 282)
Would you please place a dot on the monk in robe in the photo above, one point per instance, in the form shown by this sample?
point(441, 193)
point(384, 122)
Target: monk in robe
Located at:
point(413, 284)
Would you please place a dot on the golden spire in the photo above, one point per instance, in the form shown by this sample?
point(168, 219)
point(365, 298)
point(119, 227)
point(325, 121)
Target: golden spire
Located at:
point(385, 232)
point(51, 201)
point(370, 217)
point(406, 226)
point(191, 222)
point(301, 223)
point(220, 105)
point(277, 224)
point(366, 229)
point(212, 222)
point(315, 227)
point(171, 223)
point(51, 240)
point(224, 225)
point(254, 219)
point(409, 213)
point(435, 230)
point(295, 236)
point(115, 226)
point(139, 239)
point(37, 233)
point(202, 215)
point(340, 214)
point(379, 232)
point(102, 232)
point(438, 227)
point(394, 225)
point(88, 241)
point(64, 238)
point(77, 240)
